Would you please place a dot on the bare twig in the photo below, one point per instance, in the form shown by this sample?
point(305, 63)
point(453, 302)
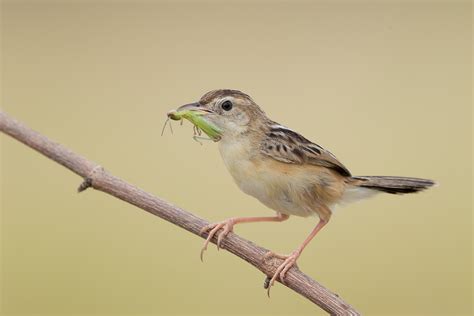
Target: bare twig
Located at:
point(98, 178)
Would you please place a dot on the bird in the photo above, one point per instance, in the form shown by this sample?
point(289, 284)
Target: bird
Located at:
point(282, 169)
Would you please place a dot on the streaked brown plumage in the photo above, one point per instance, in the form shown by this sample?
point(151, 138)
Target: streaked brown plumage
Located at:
point(284, 170)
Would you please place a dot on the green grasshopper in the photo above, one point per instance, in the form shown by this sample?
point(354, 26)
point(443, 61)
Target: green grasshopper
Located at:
point(200, 124)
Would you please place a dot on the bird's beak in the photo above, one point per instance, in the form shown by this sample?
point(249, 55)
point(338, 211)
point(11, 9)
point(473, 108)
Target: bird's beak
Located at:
point(189, 107)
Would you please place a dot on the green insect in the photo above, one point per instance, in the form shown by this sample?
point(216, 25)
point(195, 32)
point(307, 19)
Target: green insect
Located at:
point(199, 121)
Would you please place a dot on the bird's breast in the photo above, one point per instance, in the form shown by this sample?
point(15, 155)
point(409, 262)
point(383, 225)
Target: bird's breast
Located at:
point(281, 187)
point(241, 161)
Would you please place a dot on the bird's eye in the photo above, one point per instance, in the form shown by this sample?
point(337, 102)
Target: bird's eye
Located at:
point(227, 105)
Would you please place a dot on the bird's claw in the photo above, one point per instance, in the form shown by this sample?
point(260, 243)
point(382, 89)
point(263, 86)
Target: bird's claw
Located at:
point(226, 226)
point(288, 262)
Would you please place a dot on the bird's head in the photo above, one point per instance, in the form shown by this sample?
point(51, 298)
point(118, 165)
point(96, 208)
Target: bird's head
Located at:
point(222, 113)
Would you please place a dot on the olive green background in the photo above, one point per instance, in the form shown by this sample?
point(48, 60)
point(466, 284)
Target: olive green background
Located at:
point(386, 86)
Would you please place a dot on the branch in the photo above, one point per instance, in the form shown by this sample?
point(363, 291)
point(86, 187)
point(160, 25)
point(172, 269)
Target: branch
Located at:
point(98, 178)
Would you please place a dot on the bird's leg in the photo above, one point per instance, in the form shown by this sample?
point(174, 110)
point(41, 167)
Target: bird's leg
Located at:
point(290, 260)
point(228, 225)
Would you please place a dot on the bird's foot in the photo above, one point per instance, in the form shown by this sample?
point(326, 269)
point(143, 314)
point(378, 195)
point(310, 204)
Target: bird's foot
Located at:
point(288, 262)
point(226, 226)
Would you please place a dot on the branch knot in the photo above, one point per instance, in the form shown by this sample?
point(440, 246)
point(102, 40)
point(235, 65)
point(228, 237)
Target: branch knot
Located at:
point(87, 183)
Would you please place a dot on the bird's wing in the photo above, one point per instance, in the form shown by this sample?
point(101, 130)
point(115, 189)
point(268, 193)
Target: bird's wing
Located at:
point(288, 146)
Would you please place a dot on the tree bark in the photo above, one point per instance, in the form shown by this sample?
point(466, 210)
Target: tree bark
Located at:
point(98, 178)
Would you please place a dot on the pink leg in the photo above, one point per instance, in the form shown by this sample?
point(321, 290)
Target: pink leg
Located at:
point(290, 260)
point(228, 226)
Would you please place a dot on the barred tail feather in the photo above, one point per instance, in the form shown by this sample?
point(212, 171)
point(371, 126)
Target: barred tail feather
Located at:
point(393, 185)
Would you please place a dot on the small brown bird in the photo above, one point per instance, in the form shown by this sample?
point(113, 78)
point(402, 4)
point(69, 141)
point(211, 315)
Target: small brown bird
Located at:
point(282, 169)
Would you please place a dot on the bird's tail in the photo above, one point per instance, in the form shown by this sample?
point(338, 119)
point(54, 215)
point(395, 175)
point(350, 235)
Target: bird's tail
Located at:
point(360, 188)
point(392, 185)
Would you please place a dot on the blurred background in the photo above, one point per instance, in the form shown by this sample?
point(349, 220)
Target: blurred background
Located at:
point(386, 86)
